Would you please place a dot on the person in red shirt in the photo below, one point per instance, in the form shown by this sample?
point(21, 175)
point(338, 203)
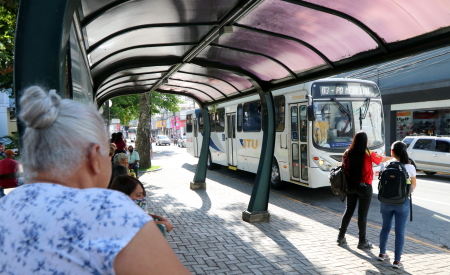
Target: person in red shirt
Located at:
point(357, 162)
point(120, 143)
point(9, 167)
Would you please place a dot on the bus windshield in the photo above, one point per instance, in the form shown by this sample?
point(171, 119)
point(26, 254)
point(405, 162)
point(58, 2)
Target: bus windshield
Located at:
point(338, 121)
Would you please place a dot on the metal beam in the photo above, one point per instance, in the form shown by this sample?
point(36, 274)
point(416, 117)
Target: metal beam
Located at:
point(256, 53)
point(101, 94)
point(361, 25)
point(47, 24)
point(139, 47)
point(199, 181)
point(125, 81)
point(274, 34)
point(129, 75)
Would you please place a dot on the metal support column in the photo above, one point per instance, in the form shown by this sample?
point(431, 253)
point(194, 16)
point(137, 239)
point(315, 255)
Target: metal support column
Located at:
point(200, 172)
point(259, 201)
point(42, 36)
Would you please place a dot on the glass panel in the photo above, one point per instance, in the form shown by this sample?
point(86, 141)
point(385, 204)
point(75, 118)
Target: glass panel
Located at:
point(237, 81)
point(415, 17)
point(189, 123)
point(408, 141)
point(423, 144)
point(332, 129)
point(442, 146)
point(335, 37)
point(136, 13)
point(303, 124)
point(149, 36)
point(240, 117)
point(294, 123)
point(128, 84)
point(156, 53)
point(295, 162)
point(186, 91)
point(136, 71)
point(304, 160)
point(220, 120)
point(252, 116)
point(279, 102)
point(81, 80)
point(293, 54)
point(223, 86)
point(133, 78)
point(261, 66)
point(210, 91)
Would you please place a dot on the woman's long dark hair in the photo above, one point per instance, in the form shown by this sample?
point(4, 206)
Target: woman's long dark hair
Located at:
point(399, 149)
point(356, 154)
point(119, 137)
point(126, 184)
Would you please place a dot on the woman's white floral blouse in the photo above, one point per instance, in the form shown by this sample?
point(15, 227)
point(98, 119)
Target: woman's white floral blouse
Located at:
point(52, 229)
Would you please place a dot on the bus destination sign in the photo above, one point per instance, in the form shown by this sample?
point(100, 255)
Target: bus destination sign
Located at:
point(344, 89)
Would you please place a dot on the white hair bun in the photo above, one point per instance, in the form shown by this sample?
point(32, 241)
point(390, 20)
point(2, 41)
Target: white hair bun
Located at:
point(39, 110)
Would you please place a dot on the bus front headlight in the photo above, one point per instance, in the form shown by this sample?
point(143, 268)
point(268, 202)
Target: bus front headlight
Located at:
point(322, 164)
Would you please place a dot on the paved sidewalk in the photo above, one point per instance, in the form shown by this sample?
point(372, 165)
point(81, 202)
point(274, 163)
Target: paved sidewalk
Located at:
point(211, 238)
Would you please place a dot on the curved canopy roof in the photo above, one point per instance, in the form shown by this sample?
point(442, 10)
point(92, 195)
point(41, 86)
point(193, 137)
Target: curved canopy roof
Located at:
point(218, 50)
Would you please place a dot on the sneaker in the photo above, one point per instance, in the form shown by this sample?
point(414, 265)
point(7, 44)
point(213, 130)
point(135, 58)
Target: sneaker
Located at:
point(382, 257)
point(365, 245)
point(341, 240)
point(397, 265)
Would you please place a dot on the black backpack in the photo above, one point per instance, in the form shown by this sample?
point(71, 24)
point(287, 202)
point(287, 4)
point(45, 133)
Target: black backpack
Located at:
point(393, 187)
point(338, 182)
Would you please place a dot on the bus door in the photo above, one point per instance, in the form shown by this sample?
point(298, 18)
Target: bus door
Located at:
point(194, 137)
point(298, 154)
point(231, 139)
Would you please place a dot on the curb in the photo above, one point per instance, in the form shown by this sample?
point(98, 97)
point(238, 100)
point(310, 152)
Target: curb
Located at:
point(155, 170)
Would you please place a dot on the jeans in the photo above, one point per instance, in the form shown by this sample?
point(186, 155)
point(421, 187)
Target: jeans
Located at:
point(2, 193)
point(135, 168)
point(401, 213)
point(363, 194)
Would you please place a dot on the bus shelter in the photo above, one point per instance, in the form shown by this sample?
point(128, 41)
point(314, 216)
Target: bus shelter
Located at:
point(214, 51)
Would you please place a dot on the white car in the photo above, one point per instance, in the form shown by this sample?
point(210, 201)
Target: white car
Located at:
point(162, 140)
point(431, 154)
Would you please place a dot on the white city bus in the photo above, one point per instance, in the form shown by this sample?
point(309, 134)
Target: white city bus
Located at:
point(315, 123)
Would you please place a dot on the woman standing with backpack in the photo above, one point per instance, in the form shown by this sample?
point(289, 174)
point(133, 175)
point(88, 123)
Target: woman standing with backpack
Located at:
point(400, 212)
point(357, 161)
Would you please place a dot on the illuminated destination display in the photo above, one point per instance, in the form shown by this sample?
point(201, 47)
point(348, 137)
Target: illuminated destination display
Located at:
point(344, 89)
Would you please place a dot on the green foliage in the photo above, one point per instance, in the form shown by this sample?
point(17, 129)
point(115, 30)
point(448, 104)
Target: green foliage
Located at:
point(14, 141)
point(8, 17)
point(126, 108)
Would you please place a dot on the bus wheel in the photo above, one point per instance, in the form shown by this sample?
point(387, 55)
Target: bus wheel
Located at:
point(275, 178)
point(210, 164)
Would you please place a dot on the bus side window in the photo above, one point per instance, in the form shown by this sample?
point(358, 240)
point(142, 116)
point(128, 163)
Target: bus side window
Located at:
point(303, 124)
point(220, 120)
point(279, 102)
point(200, 122)
point(252, 116)
point(240, 117)
point(189, 123)
point(212, 121)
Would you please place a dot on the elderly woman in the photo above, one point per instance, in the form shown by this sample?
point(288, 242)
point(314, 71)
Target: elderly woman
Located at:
point(63, 220)
point(121, 159)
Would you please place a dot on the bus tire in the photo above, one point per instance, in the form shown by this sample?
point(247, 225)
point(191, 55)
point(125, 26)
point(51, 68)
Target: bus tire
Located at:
point(275, 177)
point(210, 165)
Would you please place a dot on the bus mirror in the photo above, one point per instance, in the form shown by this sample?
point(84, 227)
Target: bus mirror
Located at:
point(311, 113)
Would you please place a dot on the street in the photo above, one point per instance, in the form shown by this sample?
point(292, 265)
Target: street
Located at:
point(431, 206)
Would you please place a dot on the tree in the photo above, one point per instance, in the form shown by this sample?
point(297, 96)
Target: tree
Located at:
point(8, 17)
point(126, 108)
point(151, 103)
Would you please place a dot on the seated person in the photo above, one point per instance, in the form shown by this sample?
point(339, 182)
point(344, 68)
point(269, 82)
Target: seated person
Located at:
point(121, 159)
point(133, 159)
point(344, 125)
point(135, 190)
point(117, 170)
point(8, 167)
